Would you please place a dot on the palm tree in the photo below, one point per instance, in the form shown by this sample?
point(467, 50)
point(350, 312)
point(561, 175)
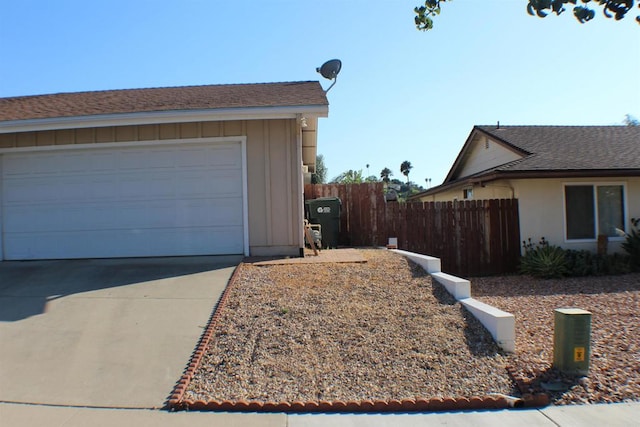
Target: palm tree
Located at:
point(405, 168)
point(349, 177)
point(385, 174)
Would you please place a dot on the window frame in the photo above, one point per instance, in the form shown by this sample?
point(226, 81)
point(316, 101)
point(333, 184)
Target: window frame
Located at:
point(466, 191)
point(594, 187)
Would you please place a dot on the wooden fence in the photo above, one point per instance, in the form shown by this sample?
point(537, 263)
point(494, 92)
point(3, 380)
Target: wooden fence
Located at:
point(472, 237)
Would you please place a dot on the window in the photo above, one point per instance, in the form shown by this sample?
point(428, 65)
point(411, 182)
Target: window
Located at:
point(591, 210)
point(467, 193)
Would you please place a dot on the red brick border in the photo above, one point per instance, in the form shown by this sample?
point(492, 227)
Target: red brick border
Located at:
point(530, 398)
point(175, 399)
point(177, 402)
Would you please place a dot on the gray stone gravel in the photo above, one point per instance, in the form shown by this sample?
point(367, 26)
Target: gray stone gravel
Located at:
point(378, 330)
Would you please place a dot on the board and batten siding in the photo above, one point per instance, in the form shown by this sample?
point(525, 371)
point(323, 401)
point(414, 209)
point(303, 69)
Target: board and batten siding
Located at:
point(274, 187)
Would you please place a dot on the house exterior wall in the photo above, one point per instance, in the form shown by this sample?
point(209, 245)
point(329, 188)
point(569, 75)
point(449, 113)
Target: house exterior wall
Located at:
point(541, 206)
point(498, 190)
point(273, 180)
point(542, 209)
point(485, 154)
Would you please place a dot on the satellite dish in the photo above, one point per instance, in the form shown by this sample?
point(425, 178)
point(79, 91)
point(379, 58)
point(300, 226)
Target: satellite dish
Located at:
point(329, 70)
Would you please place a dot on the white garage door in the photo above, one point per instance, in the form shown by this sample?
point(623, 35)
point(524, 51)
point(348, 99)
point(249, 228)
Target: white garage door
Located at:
point(123, 202)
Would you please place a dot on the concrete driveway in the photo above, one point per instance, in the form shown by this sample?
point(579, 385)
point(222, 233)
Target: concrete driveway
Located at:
point(103, 333)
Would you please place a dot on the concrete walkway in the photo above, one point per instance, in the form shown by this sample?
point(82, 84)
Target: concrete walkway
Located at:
point(103, 333)
point(102, 343)
point(613, 415)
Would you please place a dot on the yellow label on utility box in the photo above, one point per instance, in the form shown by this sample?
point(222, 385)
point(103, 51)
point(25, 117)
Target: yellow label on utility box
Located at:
point(578, 354)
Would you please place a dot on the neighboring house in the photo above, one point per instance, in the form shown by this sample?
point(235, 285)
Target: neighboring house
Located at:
point(199, 170)
point(573, 183)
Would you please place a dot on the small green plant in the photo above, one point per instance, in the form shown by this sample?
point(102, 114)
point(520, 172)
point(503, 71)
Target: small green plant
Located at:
point(579, 263)
point(284, 311)
point(631, 245)
point(586, 263)
point(543, 260)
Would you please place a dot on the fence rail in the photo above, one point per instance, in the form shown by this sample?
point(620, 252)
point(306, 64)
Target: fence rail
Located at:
point(471, 237)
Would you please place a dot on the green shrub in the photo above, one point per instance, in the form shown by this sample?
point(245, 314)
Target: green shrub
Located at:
point(586, 263)
point(543, 260)
point(631, 245)
point(618, 264)
point(579, 263)
point(547, 261)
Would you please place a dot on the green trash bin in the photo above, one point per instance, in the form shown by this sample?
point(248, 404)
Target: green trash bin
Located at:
point(326, 212)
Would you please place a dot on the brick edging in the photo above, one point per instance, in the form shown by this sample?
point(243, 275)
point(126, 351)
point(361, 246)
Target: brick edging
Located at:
point(175, 399)
point(177, 402)
point(352, 406)
point(531, 400)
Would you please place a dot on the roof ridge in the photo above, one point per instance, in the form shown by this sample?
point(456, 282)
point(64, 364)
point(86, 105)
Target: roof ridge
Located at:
point(494, 127)
point(99, 91)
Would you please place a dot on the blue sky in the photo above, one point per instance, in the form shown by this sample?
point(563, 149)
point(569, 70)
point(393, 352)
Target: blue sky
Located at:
point(402, 94)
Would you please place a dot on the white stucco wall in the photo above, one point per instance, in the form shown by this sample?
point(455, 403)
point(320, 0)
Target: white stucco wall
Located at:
point(541, 203)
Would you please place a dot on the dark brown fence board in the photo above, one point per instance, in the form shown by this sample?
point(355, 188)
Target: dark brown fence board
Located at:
point(471, 237)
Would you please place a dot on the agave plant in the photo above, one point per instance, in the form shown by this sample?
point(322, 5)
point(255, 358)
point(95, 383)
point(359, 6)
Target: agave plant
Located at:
point(543, 260)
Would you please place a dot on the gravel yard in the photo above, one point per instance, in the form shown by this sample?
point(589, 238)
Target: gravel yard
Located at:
point(374, 330)
point(614, 302)
point(382, 330)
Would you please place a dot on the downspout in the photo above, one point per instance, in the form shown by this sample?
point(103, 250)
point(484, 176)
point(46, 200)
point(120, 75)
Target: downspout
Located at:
point(300, 218)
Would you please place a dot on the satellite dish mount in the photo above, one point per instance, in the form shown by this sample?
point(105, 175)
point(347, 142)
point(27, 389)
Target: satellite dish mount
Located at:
point(329, 70)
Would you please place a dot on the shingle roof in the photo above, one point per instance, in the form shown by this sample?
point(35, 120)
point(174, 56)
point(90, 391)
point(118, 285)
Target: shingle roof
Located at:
point(552, 148)
point(555, 151)
point(288, 94)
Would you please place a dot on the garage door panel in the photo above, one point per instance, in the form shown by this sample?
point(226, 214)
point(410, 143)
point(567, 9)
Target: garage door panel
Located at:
point(24, 191)
point(146, 185)
point(101, 162)
point(62, 217)
point(69, 164)
point(223, 157)
point(70, 189)
point(101, 244)
point(206, 213)
point(147, 159)
point(59, 218)
point(21, 165)
point(103, 188)
point(197, 184)
point(196, 157)
point(224, 182)
point(180, 200)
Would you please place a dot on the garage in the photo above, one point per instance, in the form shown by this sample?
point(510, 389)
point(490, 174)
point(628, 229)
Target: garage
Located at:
point(153, 198)
point(189, 170)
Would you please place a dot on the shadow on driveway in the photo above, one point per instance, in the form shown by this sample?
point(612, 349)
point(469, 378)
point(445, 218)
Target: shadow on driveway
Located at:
point(27, 286)
point(112, 333)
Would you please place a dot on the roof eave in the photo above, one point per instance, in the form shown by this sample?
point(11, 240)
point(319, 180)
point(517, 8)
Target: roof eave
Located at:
point(442, 187)
point(555, 173)
point(541, 174)
point(171, 116)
